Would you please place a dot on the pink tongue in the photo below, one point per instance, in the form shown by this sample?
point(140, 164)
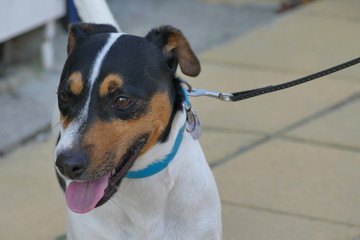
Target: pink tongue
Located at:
point(82, 197)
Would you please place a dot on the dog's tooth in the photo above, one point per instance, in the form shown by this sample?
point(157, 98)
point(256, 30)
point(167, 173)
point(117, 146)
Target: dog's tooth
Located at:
point(113, 172)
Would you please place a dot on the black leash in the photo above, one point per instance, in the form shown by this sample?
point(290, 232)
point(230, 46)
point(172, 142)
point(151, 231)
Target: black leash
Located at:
point(238, 96)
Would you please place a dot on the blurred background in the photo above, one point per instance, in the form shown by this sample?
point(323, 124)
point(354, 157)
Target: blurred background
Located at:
point(287, 164)
point(34, 38)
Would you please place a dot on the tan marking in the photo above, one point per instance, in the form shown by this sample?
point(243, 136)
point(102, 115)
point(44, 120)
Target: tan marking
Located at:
point(117, 136)
point(76, 83)
point(71, 41)
point(110, 84)
point(64, 121)
point(187, 59)
point(171, 44)
point(86, 27)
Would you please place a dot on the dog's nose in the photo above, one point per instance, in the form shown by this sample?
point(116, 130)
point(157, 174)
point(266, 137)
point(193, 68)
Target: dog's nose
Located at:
point(72, 164)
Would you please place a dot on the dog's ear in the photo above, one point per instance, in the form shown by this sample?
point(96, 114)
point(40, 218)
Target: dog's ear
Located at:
point(175, 49)
point(78, 31)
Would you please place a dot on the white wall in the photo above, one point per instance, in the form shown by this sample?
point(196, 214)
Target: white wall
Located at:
point(19, 16)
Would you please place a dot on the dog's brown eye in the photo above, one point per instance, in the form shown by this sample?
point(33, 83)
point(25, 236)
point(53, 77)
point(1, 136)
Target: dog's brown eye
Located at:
point(122, 102)
point(64, 97)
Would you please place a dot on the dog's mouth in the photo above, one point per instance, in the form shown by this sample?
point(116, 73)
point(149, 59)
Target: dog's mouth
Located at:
point(82, 197)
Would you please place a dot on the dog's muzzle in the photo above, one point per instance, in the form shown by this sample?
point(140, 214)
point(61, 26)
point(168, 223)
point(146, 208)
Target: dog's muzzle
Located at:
point(83, 196)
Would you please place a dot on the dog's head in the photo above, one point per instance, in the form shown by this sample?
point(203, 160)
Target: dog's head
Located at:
point(117, 97)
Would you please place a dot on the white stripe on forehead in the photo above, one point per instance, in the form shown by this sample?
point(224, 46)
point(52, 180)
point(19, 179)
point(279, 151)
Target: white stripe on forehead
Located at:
point(69, 135)
point(96, 69)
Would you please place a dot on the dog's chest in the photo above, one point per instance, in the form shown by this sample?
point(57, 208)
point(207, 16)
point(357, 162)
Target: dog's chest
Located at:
point(163, 206)
point(135, 212)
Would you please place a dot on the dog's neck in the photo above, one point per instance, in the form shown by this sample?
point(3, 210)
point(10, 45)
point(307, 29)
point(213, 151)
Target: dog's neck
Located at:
point(160, 150)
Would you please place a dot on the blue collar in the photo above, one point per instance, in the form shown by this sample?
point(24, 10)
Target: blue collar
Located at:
point(160, 165)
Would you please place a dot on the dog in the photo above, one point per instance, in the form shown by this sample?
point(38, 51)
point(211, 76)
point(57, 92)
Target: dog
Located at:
point(129, 167)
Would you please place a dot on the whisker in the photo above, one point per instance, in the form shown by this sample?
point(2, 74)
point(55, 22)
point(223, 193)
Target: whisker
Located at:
point(56, 125)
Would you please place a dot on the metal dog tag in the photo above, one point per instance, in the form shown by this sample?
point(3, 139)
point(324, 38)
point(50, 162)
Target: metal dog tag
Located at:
point(193, 125)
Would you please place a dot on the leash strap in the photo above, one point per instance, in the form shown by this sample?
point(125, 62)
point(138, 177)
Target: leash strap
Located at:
point(238, 96)
point(233, 97)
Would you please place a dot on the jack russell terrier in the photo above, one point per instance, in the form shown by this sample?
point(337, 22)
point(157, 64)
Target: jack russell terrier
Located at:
point(125, 158)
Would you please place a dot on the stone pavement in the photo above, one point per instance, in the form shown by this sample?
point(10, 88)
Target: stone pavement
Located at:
point(287, 164)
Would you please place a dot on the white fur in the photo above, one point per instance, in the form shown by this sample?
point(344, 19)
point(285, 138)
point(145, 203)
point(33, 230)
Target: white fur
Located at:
point(180, 202)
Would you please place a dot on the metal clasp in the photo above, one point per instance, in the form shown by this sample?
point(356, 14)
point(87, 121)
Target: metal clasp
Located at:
point(197, 92)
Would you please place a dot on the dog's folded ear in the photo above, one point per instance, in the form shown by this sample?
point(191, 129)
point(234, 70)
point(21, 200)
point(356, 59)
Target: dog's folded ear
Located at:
point(78, 31)
point(175, 49)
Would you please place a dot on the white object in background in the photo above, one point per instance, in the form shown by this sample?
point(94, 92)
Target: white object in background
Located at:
point(95, 11)
point(47, 48)
point(20, 16)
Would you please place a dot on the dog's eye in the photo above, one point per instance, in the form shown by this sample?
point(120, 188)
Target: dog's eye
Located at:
point(63, 97)
point(122, 102)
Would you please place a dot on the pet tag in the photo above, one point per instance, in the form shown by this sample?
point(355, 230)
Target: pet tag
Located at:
point(193, 124)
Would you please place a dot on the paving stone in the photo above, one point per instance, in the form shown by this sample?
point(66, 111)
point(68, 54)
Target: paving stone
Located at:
point(32, 205)
point(344, 9)
point(242, 2)
point(268, 113)
point(315, 182)
point(295, 43)
point(24, 113)
point(339, 127)
point(219, 144)
point(204, 25)
point(252, 224)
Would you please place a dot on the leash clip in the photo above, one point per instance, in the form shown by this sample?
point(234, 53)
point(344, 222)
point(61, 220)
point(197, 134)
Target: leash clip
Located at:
point(197, 92)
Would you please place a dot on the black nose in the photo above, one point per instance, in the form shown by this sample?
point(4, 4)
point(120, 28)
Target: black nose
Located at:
point(72, 164)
